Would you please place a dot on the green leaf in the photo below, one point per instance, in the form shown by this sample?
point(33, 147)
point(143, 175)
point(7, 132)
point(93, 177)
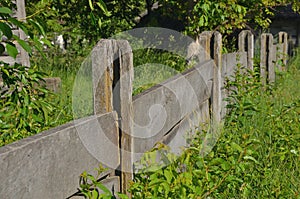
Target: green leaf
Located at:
point(236, 147)
point(168, 174)
point(155, 182)
point(91, 5)
point(103, 7)
point(99, 23)
point(122, 196)
point(95, 194)
point(167, 188)
point(225, 166)
point(216, 161)
point(18, 24)
point(248, 157)
point(201, 21)
point(38, 26)
point(6, 30)
point(93, 19)
point(26, 100)
point(47, 42)
point(5, 71)
point(24, 44)
point(5, 10)
point(11, 50)
point(103, 188)
point(38, 46)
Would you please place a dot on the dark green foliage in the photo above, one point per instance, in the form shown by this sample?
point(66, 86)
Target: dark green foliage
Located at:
point(83, 23)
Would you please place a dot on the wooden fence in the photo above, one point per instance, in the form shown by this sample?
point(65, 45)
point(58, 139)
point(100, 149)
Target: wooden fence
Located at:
point(123, 127)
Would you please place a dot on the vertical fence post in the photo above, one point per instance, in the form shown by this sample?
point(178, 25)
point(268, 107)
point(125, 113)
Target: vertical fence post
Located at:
point(204, 40)
point(112, 67)
point(217, 94)
point(283, 39)
point(212, 44)
point(263, 58)
point(21, 15)
point(267, 59)
point(246, 44)
point(271, 59)
point(102, 74)
point(126, 113)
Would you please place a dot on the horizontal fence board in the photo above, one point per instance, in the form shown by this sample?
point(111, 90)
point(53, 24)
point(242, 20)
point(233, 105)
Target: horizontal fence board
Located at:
point(160, 108)
point(271, 63)
point(229, 66)
point(180, 135)
point(7, 59)
point(48, 164)
point(280, 56)
point(52, 83)
point(230, 62)
point(206, 70)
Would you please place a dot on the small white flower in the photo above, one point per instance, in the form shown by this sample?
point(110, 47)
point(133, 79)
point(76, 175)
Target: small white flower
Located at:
point(294, 151)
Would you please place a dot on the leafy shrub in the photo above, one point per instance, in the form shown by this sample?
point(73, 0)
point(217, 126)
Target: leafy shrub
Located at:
point(23, 104)
point(90, 187)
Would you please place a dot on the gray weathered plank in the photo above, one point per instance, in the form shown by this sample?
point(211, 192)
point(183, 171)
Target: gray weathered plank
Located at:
point(279, 56)
point(182, 133)
point(206, 70)
point(159, 109)
point(211, 41)
point(178, 138)
point(102, 75)
point(230, 62)
point(48, 165)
